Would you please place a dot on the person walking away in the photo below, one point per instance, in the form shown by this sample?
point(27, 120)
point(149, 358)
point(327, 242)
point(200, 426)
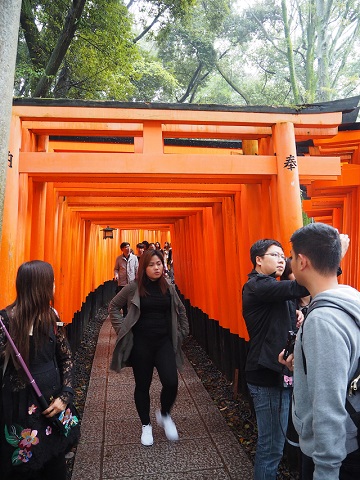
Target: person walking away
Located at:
point(149, 337)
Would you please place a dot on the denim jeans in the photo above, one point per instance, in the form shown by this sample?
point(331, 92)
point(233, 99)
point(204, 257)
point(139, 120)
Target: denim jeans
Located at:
point(349, 470)
point(272, 414)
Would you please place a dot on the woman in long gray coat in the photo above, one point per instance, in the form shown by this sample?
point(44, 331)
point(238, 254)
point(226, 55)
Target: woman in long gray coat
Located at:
point(150, 336)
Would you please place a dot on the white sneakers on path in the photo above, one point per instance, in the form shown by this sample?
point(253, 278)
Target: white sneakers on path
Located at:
point(147, 436)
point(164, 421)
point(167, 423)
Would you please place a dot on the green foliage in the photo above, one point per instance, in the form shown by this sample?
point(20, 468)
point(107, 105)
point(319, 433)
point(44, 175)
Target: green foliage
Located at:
point(187, 46)
point(153, 82)
point(306, 219)
point(216, 91)
point(100, 60)
point(320, 45)
point(262, 59)
point(272, 52)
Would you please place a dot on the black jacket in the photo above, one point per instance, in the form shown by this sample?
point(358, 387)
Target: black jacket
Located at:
point(266, 311)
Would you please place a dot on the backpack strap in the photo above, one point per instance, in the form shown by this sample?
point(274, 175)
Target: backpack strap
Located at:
point(317, 304)
point(352, 388)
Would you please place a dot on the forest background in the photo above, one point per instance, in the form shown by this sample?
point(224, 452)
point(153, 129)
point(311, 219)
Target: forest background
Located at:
point(236, 52)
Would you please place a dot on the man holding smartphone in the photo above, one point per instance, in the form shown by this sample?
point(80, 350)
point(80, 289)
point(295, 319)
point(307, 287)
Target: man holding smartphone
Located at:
point(267, 314)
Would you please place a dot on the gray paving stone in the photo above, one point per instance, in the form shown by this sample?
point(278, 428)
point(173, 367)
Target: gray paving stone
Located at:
point(110, 446)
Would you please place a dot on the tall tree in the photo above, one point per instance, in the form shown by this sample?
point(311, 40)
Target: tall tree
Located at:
point(214, 51)
point(314, 50)
point(187, 47)
point(50, 63)
point(283, 52)
point(82, 48)
point(290, 52)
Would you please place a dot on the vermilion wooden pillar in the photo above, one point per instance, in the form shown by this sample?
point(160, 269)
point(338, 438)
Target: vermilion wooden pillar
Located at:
point(50, 227)
point(9, 242)
point(38, 221)
point(221, 266)
point(24, 217)
point(231, 238)
point(288, 183)
point(208, 257)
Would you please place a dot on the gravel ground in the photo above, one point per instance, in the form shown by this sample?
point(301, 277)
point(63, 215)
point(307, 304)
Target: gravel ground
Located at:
point(236, 411)
point(83, 363)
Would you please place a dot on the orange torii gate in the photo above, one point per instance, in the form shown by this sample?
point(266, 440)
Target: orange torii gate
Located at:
point(338, 202)
point(211, 179)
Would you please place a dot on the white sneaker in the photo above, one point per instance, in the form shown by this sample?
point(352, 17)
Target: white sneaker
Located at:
point(168, 425)
point(147, 436)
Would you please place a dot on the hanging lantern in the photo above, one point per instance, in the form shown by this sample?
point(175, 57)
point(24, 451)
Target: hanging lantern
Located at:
point(108, 232)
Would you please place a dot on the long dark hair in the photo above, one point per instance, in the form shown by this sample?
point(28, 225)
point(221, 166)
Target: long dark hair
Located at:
point(31, 309)
point(142, 279)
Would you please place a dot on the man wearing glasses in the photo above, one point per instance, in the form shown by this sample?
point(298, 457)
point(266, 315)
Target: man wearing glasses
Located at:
point(267, 316)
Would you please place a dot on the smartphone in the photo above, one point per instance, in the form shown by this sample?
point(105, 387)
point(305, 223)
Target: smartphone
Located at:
point(289, 347)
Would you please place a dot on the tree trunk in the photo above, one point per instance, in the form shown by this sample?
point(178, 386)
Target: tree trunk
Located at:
point(232, 84)
point(9, 31)
point(322, 9)
point(149, 27)
point(60, 49)
point(310, 81)
point(32, 36)
point(290, 53)
point(192, 83)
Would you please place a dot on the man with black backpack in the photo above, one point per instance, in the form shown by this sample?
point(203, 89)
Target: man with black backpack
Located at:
point(326, 359)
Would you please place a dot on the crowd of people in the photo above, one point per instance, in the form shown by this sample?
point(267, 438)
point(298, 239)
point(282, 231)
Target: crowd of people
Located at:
point(126, 264)
point(302, 366)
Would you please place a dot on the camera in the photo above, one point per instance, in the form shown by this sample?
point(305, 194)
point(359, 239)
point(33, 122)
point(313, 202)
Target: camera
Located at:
point(289, 348)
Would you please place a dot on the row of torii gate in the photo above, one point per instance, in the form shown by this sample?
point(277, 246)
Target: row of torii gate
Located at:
point(212, 180)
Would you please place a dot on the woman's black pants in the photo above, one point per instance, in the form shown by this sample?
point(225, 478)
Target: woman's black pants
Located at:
point(147, 353)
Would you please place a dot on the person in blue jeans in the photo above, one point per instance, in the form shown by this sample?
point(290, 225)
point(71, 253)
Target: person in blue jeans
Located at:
point(267, 313)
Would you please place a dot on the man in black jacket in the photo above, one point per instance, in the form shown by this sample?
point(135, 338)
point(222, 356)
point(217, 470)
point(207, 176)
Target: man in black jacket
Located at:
point(267, 316)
